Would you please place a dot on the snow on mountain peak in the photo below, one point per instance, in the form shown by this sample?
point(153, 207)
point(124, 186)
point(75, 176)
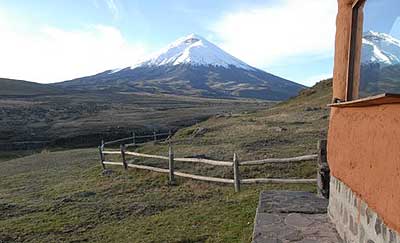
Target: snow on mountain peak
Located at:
point(194, 50)
point(380, 48)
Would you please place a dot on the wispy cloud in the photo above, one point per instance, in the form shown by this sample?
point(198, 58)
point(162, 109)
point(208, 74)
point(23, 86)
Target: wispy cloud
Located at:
point(269, 35)
point(395, 30)
point(52, 54)
point(112, 6)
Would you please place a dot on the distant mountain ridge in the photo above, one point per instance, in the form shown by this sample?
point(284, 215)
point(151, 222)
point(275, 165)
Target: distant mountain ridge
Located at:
point(191, 66)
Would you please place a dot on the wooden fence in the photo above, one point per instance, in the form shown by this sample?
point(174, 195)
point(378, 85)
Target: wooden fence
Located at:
point(235, 164)
point(134, 139)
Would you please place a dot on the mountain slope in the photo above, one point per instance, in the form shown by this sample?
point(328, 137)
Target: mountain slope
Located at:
point(380, 48)
point(191, 66)
point(13, 87)
point(376, 79)
point(380, 69)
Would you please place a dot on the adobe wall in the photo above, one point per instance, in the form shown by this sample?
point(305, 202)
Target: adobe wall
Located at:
point(364, 155)
point(363, 150)
point(342, 47)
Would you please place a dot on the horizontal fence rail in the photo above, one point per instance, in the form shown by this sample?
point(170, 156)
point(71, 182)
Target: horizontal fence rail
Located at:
point(276, 180)
point(117, 141)
point(111, 152)
point(195, 160)
point(204, 178)
point(181, 174)
point(281, 160)
point(204, 161)
point(235, 164)
point(134, 137)
point(147, 155)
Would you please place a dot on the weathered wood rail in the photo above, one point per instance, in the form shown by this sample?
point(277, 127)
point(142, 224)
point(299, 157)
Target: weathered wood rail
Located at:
point(155, 137)
point(235, 164)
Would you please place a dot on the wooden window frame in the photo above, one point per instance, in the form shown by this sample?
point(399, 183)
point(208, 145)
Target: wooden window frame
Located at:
point(354, 35)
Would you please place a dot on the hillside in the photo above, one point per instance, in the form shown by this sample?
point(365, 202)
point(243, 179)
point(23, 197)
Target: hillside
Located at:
point(191, 66)
point(377, 80)
point(63, 196)
point(288, 128)
point(12, 87)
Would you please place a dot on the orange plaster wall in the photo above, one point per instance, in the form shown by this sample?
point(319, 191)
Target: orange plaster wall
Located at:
point(342, 46)
point(364, 153)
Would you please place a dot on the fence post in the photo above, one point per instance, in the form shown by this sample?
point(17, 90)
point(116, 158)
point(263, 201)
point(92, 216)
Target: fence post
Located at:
point(171, 165)
point(133, 138)
point(122, 147)
point(169, 138)
point(155, 136)
point(323, 174)
point(236, 174)
point(102, 155)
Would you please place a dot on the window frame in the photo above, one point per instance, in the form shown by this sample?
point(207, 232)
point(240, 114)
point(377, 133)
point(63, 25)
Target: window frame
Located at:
point(353, 48)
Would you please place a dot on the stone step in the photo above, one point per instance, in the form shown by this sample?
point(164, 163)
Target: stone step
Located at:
point(293, 216)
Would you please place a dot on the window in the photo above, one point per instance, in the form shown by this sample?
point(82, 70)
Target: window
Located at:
point(380, 48)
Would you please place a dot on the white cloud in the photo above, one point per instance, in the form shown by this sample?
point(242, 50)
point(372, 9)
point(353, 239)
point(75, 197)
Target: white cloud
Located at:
point(272, 34)
point(52, 54)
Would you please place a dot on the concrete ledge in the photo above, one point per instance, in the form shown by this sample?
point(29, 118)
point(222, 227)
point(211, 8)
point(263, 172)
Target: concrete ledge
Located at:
point(354, 220)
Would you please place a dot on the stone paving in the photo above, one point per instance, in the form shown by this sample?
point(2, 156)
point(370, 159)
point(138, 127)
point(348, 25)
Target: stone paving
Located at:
point(287, 216)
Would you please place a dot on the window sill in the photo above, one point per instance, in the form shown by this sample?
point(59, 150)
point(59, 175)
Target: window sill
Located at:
point(370, 101)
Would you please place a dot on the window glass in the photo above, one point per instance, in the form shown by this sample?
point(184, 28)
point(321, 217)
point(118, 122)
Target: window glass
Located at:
point(380, 53)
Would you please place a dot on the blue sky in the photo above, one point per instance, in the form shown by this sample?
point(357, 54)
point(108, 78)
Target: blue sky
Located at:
point(55, 40)
point(383, 16)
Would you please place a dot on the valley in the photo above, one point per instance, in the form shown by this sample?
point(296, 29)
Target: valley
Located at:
point(63, 195)
point(54, 189)
point(76, 119)
point(200, 121)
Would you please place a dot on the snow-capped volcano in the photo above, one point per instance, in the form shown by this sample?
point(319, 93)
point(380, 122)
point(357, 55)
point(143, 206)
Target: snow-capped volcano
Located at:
point(380, 69)
point(191, 66)
point(380, 48)
point(195, 50)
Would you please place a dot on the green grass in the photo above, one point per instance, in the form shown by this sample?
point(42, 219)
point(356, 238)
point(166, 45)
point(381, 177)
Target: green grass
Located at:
point(63, 196)
point(287, 129)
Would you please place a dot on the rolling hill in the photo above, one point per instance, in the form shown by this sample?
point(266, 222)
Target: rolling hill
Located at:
point(12, 87)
